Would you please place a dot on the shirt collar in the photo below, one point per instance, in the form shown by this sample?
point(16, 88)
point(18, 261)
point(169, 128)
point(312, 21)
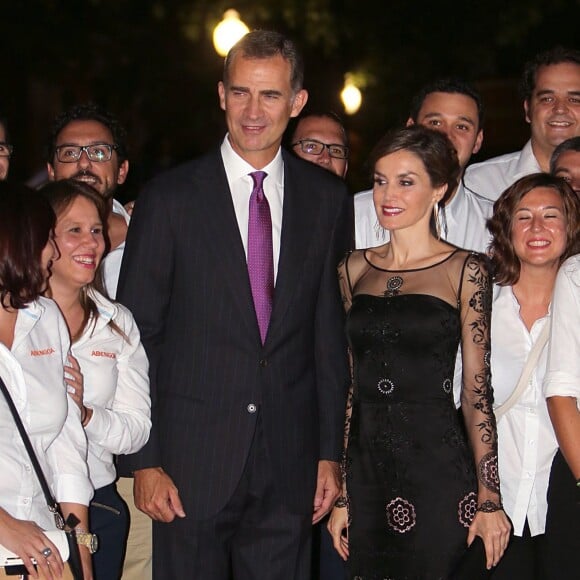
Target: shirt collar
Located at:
point(527, 162)
point(236, 167)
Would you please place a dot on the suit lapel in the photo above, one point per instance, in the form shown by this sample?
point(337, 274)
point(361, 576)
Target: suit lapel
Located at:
point(299, 218)
point(223, 235)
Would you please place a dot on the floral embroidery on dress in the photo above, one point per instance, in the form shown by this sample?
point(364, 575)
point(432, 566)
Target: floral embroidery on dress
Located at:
point(467, 509)
point(488, 472)
point(386, 386)
point(394, 284)
point(401, 515)
point(447, 386)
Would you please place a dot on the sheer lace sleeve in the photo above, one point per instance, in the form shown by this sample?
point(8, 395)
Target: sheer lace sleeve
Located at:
point(475, 298)
point(344, 280)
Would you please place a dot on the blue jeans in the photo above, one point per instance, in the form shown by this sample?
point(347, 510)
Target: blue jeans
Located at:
point(110, 521)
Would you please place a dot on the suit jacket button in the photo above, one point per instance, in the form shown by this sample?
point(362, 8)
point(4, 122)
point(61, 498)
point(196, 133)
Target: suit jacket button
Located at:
point(251, 408)
point(263, 362)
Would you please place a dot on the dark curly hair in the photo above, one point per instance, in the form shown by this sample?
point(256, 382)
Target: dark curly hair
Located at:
point(556, 55)
point(26, 224)
point(506, 264)
point(88, 112)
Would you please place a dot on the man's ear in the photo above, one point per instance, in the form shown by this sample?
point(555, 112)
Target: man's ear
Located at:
point(478, 142)
point(50, 171)
point(409, 122)
point(123, 171)
point(300, 100)
point(222, 95)
point(527, 111)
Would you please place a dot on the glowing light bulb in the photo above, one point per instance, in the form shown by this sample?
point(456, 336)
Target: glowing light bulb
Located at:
point(228, 32)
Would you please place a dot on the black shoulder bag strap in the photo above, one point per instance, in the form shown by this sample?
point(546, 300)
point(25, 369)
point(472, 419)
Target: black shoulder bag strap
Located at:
point(72, 521)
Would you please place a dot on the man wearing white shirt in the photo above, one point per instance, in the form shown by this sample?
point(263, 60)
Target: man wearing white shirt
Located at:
point(454, 108)
point(551, 92)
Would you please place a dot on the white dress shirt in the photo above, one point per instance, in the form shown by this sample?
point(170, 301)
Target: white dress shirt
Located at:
point(33, 371)
point(241, 186)
point(563, 374)
point(492, 177)
point(526, 440)
point(463, 221)
point(116, 388)
point(112, 261)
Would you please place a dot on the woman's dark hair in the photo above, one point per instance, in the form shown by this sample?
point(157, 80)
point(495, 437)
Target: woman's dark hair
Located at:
point(505, 262)
point(61, 194)
point(26, 224)
point(433, 148)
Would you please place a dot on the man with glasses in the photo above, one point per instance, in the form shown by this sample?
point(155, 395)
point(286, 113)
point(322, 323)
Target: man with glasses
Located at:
point(321, 138)
point(5, 150)
point(88, 144)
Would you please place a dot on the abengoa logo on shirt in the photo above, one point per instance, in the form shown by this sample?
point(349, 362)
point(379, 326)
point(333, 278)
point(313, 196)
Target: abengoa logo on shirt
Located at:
point(42, 351)
point(103, 353)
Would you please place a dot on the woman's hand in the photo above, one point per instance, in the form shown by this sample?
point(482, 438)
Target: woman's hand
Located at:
point(338, 528)
point(74, 380)
point(28, 541)
point(494, 529)
point(75, 385)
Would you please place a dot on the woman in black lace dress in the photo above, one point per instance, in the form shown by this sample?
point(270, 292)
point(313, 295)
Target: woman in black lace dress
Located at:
point(419, 485)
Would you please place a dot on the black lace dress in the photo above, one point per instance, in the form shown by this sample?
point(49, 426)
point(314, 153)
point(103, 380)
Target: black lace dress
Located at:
point(411, 476)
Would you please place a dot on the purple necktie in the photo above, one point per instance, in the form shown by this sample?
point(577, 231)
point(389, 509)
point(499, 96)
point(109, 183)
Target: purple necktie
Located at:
point(260, 261)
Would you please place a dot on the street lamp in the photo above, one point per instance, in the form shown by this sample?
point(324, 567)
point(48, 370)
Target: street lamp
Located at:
point(228, 32)
point(351, 96)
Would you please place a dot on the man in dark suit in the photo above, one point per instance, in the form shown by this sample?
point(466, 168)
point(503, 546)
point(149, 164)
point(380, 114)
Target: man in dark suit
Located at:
point(230, 271)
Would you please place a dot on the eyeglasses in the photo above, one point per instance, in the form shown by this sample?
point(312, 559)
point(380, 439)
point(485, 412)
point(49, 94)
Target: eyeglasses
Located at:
point(5, 149)
point(314, 147)
point(99, 152)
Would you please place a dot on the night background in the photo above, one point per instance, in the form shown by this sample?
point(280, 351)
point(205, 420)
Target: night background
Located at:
point(152, 63)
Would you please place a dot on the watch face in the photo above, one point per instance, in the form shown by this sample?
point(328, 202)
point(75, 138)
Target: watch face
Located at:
point(94, 543)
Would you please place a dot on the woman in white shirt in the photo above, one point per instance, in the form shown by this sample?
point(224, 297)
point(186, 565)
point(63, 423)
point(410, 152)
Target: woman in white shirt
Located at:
point(562, 390)
point(535, 227)
point(33, 348)
point(113, 392)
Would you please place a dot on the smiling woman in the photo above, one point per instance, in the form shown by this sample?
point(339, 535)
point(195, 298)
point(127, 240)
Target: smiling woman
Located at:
point(419, 486)
point(107, 376)
point(535, 227)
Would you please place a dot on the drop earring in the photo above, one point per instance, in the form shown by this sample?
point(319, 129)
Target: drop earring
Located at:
point(436, 217)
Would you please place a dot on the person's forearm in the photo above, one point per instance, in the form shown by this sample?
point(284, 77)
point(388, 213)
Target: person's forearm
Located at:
point(566, 421)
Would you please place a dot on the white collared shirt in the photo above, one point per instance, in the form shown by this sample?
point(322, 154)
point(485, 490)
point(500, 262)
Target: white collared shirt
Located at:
point(116, 388)
point(492, 177)
point(112, 261)
point(241, 186)
point(563, 374)
point(463, 221)
point(33, 371)
point(526, 440)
